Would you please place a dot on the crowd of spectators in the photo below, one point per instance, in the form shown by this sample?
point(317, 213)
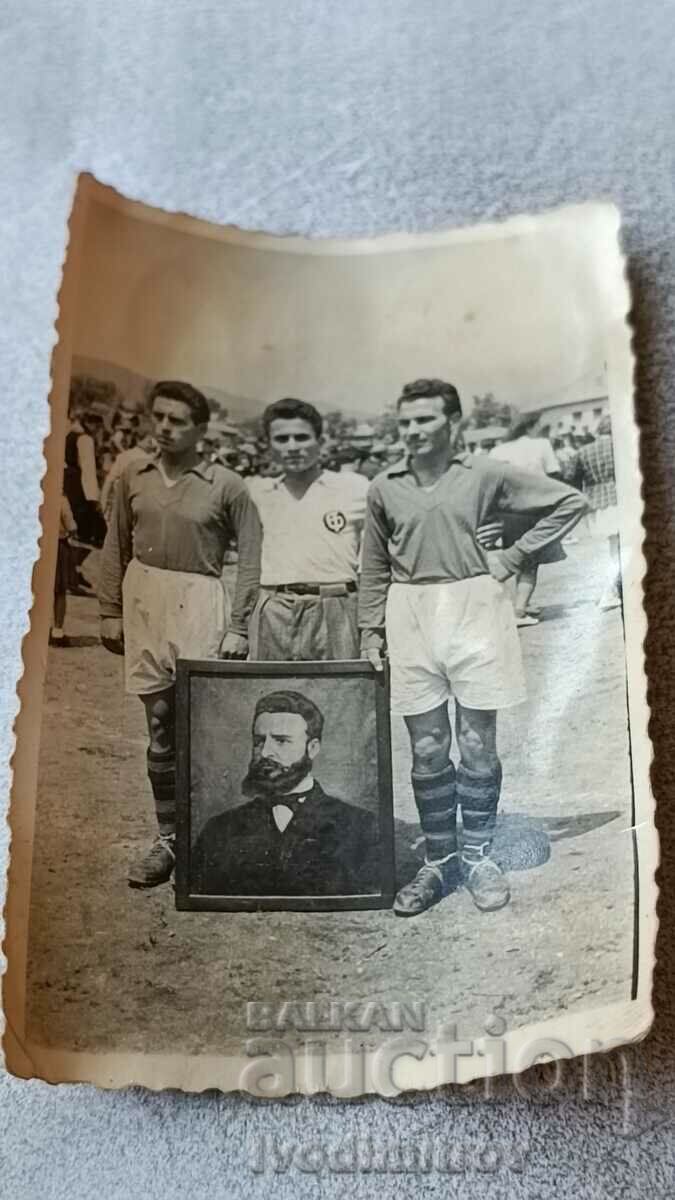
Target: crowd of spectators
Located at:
point(104, 437)
point(117, 428)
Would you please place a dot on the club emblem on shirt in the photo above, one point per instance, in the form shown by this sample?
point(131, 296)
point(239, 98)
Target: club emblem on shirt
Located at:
point(335, 521)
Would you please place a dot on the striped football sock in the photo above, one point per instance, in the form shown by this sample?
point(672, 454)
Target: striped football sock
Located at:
point(478, 795)
point(437, 808)
point(162, 776)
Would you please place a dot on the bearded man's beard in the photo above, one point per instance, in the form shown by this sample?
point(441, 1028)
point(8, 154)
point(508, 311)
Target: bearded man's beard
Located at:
point(268, 778)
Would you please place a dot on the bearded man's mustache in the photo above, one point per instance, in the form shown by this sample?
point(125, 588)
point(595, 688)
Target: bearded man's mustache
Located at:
point(268, 777)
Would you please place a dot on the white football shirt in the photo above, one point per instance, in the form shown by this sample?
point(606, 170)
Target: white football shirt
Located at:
point(313, 540)
point(528, 453)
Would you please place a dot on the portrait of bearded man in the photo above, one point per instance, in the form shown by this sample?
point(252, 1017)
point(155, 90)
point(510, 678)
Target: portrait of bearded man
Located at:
point(288, 837)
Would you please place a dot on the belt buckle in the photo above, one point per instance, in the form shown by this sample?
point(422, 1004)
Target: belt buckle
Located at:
point(299, 589)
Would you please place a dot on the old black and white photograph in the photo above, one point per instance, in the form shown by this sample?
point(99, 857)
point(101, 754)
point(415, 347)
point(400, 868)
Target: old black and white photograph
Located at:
point(337, 646)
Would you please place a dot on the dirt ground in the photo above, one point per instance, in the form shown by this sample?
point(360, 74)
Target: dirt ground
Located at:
point(115, 968)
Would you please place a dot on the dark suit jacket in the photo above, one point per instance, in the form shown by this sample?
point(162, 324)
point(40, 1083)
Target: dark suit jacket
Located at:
point(328, 848)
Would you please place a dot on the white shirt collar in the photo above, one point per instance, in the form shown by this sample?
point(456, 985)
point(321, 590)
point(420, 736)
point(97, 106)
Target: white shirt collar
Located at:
point(305, 785)
point(275, 481)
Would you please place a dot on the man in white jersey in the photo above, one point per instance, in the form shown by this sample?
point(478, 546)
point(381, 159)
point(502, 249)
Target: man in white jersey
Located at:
point(312, 521)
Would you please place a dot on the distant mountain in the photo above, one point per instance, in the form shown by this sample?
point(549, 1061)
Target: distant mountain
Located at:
point(135, 388)
point(132, 386)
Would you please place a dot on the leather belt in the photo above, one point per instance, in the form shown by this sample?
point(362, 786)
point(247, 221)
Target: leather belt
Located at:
point(315, 589)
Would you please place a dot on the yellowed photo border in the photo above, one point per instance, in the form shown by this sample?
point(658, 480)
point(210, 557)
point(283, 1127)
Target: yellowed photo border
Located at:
point(408, 1062)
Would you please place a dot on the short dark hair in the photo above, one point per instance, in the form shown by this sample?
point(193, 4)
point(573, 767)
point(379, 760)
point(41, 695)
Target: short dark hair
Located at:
point(174, 389)
point(522, 425)
point(428, 389)
point(290, 409)
point(292, 702)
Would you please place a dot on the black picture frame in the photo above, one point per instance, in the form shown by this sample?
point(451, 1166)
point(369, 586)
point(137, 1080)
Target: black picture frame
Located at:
point(187, 897)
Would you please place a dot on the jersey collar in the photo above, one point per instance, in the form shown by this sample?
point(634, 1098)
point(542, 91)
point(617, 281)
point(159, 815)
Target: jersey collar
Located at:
point(402, 467)
point(275, 481)
point(201, 468)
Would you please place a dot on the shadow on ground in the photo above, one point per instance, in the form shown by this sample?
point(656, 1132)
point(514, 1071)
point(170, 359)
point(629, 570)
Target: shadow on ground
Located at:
point(521, 842)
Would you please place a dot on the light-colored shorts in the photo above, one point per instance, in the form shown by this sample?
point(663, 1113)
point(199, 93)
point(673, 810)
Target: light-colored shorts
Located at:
point(168, 615)
point(455, 639)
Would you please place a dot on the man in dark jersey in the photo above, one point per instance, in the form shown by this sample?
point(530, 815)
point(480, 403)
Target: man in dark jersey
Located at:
point(437, 597)
point(161, 594)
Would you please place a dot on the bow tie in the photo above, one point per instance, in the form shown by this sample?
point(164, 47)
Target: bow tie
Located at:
point(292, 800)
point(285, 808)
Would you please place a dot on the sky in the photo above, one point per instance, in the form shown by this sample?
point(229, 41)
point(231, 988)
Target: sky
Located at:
point(522, 316)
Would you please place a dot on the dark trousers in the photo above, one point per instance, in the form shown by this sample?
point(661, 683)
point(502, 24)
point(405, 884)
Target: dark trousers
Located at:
point(291, 628)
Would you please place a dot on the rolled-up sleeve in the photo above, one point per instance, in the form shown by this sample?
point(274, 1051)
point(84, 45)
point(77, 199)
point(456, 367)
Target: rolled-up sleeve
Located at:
point(560, 505)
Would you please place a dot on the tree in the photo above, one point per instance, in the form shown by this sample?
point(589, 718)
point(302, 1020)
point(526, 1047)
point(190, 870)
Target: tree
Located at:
point(487, 410)
point(251, 429)
point(86, 392)
point(216, 408)
point(386, 426)
point(337, 427)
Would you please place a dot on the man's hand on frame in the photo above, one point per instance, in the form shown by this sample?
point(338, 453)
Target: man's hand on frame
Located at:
point(375, 657)
point(235, 647)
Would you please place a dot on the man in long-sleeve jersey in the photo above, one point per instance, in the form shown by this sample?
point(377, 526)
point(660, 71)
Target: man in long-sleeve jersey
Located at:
point(430, 590)
point(160, 593)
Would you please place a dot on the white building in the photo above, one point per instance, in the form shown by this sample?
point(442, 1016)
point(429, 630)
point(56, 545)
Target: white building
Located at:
point(575, 407)
point(575, 416)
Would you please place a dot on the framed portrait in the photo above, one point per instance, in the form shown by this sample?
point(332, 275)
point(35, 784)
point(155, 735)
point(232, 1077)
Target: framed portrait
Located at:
point(284, 787)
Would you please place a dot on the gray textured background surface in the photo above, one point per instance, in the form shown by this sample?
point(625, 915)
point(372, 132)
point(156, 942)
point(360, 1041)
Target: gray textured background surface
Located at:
point(319, 118)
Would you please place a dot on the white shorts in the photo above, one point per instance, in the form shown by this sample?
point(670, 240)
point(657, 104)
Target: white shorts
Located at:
point(168, 615)
point(455, 639)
